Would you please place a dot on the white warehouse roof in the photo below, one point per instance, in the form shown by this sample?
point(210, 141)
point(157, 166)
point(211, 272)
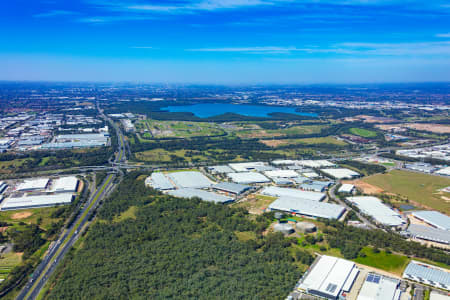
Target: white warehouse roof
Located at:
point(373, 207)
point(434, 218)
point(65, 184)
point(248, 166)
point(292, 193)
point(190, 179)
point(308, 207)
point(204, 195)
point(36, 201)
point(341, 173)
point(328, 277)
point(33, 184)
point(346, 188)
point(248, 177)
point(159, 181)
point(281, 173)
point(315, 163)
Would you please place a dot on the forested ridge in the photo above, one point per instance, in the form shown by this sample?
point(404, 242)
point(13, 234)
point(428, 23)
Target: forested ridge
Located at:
point(176, 248)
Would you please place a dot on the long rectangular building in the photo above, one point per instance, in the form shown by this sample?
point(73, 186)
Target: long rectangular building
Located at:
point(36, 201)
point(203, 195)
point(190, 179)
point(429, 234)
point(433, 218)
point(307, 208)
point(427, 274)
point(292, 193)
point(375, 208)
point(329, 277)
point(159, 181)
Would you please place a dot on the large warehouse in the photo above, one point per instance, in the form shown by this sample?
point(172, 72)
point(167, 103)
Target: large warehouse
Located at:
point(378, 287)
point(36, 201)
point(329, 277)
point(427, 274)
point(248, 177)
point(159, 181)
point(233, 188)
point(381, 213)
point(190, 179)
point(65, 185)
point(429, 234)
point(433, 218)
point(281, 173)
point(292, 193)
point(204, 195)
point(341, 173)
point(248, 166)
point(30, 185)
point(307, 208)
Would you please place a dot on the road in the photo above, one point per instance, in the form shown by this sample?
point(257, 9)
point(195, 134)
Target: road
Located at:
point(69, 236)
point(333, 196)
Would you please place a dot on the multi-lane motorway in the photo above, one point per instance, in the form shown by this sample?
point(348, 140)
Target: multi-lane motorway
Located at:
point(69, 236)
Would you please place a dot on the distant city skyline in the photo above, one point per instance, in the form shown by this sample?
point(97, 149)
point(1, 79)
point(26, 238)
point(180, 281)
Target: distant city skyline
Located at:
point(226, 41)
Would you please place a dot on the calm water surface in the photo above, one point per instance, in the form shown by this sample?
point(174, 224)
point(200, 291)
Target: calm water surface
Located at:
point(213, 109)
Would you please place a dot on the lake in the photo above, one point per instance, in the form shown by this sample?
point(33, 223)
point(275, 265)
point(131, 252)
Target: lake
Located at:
point(207, 110)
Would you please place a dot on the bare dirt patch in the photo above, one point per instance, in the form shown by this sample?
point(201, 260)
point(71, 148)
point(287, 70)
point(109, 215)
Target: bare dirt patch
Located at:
point(273, 143)
point(21, 215)
point(436, 128)
point(365, 187)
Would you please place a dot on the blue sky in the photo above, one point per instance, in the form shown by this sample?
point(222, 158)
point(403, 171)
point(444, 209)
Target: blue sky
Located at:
point(226, 41)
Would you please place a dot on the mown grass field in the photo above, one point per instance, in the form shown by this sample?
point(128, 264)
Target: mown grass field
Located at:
point(178, 129)
point(307, 141)
point(392, 263)
point(258, 132)
point(363, 132)
point(419, 188)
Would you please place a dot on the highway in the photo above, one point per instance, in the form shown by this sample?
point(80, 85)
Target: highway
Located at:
point(69, 236)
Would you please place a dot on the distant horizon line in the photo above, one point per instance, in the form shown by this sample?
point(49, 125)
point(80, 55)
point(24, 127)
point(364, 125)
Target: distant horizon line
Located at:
point(227, 84)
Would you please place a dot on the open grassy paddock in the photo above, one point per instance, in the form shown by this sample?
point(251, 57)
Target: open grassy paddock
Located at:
point(363, 132)
point(421, 189)
point(177, 129)
point(385, 261)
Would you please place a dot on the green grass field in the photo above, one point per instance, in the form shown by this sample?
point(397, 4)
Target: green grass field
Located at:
point(363, 132)
point(177, 129)
point(388, 262)
point(265, 133)
point(419, 188)
point(307, 141)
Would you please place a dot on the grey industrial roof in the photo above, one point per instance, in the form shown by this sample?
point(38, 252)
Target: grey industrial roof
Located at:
point(434, 218)
point(427, 272)
point(315, 185)
point(190, 179)
point(36, 201)
point(204, 195)
point(160, 182)
point(375, 208)
point(292, 193)
point(234, 188)
point(429, 233)
point(248, 177)
point(308, 207)
point(221, 169)
point(281, 181)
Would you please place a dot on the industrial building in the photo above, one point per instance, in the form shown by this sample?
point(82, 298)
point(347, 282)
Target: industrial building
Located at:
point(77, 141)
point(190, 179)
point(308, 208)
point(248, 166)
point(248, 177)
point(233, 188)
point(329, 277)
point(220, 169)
point(34, 184)
point(375, 208)
point(346, 188)
point(204, 195)
point(341, 173)
point(429, 234)
point(292, 193)
point(315, 163)
point(378, 287)
point(315, 186)
point(36, 201)
point(3, 186)
point(159, 181)
point(433, 218)
point(444, 171)
point(65, 185)
point(427, 274)
point(281, 173)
